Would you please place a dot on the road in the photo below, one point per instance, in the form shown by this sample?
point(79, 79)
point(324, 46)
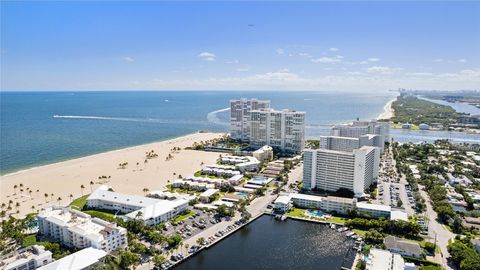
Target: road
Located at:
point(435, 229)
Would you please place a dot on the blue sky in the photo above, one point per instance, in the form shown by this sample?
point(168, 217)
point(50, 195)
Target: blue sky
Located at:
point(346, 46)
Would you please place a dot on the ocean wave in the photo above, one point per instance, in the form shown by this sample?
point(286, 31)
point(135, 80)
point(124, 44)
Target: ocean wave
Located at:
point(213, 118)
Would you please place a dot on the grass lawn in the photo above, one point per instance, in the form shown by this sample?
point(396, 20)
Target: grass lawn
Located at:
point(296, 212)
point(106, 215)
point(359, 232)
point(184, 216)
point(29, 240)
point(337, 220)
point(79, 203)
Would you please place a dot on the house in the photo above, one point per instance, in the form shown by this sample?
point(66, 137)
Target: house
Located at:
point(402, 247)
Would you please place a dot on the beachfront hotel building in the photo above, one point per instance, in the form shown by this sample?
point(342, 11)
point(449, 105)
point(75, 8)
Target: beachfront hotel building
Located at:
point(151, 211)
point(76, 229)
point(330, 170)
point(282, 130)
point(240, 116)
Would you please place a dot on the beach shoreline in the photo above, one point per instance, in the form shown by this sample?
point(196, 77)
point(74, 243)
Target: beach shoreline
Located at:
point(66, 177)
point(388, 111)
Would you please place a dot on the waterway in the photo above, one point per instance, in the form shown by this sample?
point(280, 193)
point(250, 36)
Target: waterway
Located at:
point(267, 243)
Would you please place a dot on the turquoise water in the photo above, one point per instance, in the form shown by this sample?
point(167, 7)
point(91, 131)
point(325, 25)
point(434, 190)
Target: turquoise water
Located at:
point(242, 194)
point(38, 128)
point(314, 213)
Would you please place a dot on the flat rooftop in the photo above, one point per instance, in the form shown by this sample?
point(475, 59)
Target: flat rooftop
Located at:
point(76, 261)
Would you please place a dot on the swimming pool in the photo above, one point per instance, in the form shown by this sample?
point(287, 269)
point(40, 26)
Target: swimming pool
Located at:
point(314, 213)
point(242, 194)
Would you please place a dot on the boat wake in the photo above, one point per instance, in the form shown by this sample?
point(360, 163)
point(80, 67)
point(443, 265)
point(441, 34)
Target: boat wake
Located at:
point(213, 118)
point(125, 119)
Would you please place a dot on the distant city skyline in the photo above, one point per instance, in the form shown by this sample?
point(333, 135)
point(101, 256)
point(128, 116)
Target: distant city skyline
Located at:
point(336, 46)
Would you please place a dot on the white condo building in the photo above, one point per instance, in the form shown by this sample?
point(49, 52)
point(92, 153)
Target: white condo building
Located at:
point(79, 230)
point(359, 128)
point(349, 144)
point(282, 130)
point(331, 170)
point(29, 258)
point(240, 116)
point(151, 211)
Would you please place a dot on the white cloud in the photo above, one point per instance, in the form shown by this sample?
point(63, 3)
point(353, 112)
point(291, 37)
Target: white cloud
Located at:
point(334, 49)
point(463, 60)
point(327, 60)
point(373, 59)
point(305, 55)
point(128, 59)
point(242, 69)
point(233, 61)
point(438, 60)
point(207, 56)
point(382, 70)
point(279, 51)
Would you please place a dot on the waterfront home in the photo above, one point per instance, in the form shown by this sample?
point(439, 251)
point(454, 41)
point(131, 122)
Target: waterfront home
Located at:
point(235, 180)
point(402, 247)
point(282, 203)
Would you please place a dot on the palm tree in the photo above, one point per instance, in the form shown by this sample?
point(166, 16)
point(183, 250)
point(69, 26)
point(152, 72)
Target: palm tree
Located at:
point(59, 199)
point(33, 207)
point(71, 197)
point(38, 190)
point(30, 193)
point(138, 215)
point(46, 197)
point(17, 205)
point(187, 246)
point(145, 190)
point(91, 184)
point(15, 189)
point(82, 187)
point(21, 185)
point(21, 190)
point(200, 241)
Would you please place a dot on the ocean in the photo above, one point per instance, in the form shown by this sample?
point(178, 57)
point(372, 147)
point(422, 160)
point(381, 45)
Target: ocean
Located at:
point(38, 128)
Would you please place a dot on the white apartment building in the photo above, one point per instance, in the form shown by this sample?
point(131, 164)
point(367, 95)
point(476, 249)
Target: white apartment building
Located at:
point(379, 259)
point(330, 204)
point(240, 116)
point(28, 258)
point(282, 130)
point(330, 170)
point(151, 211)
point(264, 153)
point(77, 229)
point(359, 128)
point(349, 144)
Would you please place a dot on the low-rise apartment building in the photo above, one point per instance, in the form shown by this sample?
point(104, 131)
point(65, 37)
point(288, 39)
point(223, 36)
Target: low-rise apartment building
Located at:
point(76, 229)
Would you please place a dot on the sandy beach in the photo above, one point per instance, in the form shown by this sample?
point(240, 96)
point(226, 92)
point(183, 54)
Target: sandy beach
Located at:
point(387, 111)
point(65, 178)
